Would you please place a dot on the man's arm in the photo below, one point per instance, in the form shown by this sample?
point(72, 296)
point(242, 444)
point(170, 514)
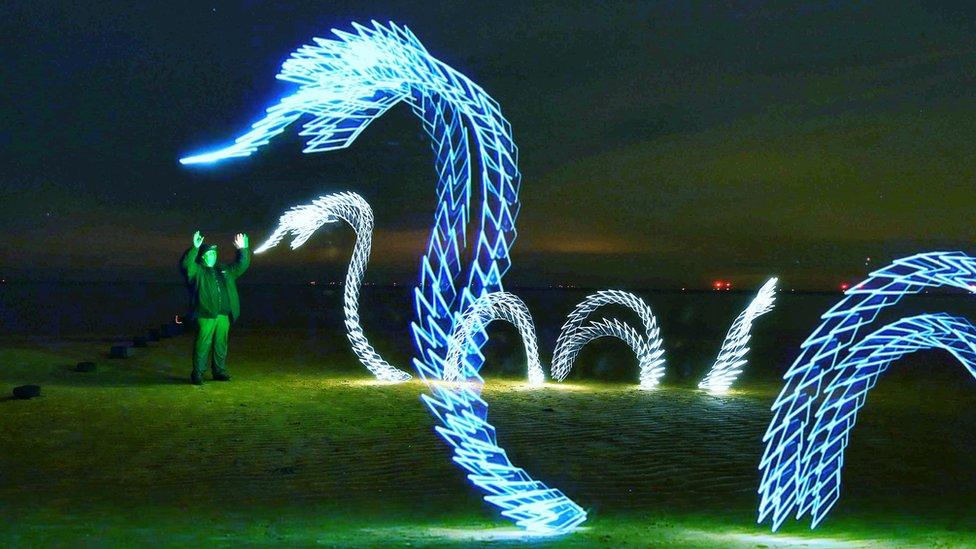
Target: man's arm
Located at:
point(189, 261)
point(243, 256)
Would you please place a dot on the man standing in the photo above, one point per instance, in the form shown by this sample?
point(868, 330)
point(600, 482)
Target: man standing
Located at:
point(214, 302)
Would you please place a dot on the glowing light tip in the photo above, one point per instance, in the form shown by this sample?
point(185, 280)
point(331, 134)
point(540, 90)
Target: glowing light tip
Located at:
point(209, 158)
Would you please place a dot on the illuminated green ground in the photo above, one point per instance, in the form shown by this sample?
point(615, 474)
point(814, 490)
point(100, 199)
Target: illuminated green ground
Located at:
point(301, 449)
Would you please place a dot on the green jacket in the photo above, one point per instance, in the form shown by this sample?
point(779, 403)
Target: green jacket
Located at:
point(205, 289)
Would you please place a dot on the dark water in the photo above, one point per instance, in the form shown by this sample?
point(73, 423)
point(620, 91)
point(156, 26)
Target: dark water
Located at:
point(693, 324)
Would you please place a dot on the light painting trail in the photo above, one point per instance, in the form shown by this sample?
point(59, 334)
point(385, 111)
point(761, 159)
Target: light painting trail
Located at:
point(343, 85)
point(302, 221)
point(574, 336)
point(732, 356)
point(847, 391)
point(648, 347)
point(465, 341)
point(815, 411)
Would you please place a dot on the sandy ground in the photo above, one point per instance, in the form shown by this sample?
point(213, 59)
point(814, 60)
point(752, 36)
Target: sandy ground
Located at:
point(301, 448)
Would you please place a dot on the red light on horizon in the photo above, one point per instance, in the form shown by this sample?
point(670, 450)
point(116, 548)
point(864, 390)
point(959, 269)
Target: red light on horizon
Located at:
point(844, 286)
point(721, 285)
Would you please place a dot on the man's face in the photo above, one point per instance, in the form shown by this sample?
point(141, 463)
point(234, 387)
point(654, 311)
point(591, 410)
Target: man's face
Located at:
point(210, 258)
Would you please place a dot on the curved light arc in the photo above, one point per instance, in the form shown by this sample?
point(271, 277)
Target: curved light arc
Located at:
point(785, 470)
point(302, 222)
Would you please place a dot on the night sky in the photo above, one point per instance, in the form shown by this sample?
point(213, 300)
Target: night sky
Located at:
point(661, 145)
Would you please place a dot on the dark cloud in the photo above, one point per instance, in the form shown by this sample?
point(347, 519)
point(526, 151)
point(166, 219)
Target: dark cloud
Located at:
point(661, 143)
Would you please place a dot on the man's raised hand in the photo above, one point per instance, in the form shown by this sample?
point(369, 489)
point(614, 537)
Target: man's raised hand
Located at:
point(197, 239)
point(240, 241)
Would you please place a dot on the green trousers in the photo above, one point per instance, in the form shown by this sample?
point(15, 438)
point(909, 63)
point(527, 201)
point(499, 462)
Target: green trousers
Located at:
point(211, 335)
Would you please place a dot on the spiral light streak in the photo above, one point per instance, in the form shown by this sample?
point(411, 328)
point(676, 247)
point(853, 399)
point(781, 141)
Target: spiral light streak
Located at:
point(732, 355)
point(302, 221)
point(574, 335)
point(796, 466)
point(848, 388)
point(343, 85)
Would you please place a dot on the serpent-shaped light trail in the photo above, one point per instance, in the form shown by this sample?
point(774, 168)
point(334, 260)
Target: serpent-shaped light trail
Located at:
point(351, 208)
point(343, 85)
point(302, 221)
